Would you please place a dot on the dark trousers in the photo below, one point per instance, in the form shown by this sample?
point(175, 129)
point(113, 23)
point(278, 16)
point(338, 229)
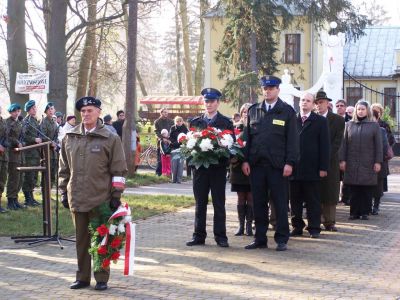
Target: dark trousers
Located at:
point(159, 165)
point(307, 192)
point(81, 221)
point(361, 200)
point(266, 179)
point(204, 180)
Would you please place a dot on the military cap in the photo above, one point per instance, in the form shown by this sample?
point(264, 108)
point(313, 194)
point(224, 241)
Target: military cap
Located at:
point(269, 80)
point(13, 107)
point(29, 105)
point(87, 101)
point(48, 105)
point(211, 94)
point(321, 95)
point(58, 114)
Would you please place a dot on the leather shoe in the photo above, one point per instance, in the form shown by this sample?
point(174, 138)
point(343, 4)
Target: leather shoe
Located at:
point(331, 228)
point(223, 244)
point(255, 245)
point(195, 242)
point(79, 285)
point(314, 235)
point(296, 232)
point(364, 217)
point(281, 247)
point(101, 286)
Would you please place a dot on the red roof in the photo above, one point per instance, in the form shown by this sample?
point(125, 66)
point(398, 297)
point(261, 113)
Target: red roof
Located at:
point(169, 100)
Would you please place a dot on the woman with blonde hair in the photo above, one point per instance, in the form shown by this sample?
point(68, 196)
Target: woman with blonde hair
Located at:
point(240, 183)
point(361, 156)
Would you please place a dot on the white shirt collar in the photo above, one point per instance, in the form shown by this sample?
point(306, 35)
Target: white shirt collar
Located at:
point(90, 130)
point(270, 104)
point(307, 115)
point(325, 114)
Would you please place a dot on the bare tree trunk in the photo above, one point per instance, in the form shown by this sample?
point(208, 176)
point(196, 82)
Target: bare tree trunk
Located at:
point(16, 46)
point(57, 60)
point(198, 75)
point(88, 50)
point(138, 76)
point(46, 17)
point(178, 50)
point(253, 63)
point(130, 102)
point(187, 60)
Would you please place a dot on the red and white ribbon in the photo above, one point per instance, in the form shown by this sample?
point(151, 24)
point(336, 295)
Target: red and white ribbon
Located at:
point(118, 182)
point(125, 211)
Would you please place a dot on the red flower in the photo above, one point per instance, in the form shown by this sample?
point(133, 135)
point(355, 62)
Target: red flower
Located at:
point(237, 131)
point(115, 255)
point(192, 129)
point(102, 230)
point(102, 250)
point(210, 128)
point(226, 131)
point(204, 133)
point(182, 138)
point(106, 263)
point(240, 142)
point(116, 243)
point(213, 137)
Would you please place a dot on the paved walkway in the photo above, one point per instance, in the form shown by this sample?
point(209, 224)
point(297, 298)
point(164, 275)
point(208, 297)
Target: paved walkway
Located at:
point(361, 261)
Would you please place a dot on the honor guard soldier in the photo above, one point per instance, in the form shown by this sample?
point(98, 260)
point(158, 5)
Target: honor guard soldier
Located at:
point(91, 178)
point(49, 128)
point(3, 158)
point(14, 132)
point(212, 178)
point(270, 154)
point(31, 157)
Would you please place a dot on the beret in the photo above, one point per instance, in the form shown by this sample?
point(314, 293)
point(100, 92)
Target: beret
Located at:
point(87, 101)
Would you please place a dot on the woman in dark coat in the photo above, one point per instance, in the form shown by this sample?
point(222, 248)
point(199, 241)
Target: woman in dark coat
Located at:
point(240, 183)
point(361, 156)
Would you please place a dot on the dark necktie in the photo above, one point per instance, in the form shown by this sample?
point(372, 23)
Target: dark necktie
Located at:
point(303, 119)
point(269, 107)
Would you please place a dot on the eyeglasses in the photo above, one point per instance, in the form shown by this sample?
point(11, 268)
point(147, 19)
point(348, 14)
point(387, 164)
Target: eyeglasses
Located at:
point(340, 105)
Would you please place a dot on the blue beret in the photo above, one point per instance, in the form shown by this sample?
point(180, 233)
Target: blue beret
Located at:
point(13, 107)
point(58, 114)
point(211, 94)
point(269, 80)
point(29, 105)
point(48, 105)
point(86, 101)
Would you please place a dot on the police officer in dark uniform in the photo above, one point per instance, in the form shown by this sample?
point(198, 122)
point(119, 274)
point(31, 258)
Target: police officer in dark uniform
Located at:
point(212, 178)
point(270, 153)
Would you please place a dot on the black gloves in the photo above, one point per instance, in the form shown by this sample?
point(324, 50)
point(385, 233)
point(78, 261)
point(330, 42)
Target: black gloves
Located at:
point(64, 200)
point(115, 203)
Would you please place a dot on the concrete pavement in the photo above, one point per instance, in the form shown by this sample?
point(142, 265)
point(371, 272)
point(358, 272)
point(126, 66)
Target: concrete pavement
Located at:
point(361, 261)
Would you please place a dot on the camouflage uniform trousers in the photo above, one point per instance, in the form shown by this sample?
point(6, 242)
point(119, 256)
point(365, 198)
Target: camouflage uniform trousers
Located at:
point(14, 180)
point(3, 176)
point(30, 178)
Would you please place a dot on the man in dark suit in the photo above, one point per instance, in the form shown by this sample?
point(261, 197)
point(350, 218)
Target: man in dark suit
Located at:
point(312, 165)
point(212, 178)
point(270, 154)
point(330, 185)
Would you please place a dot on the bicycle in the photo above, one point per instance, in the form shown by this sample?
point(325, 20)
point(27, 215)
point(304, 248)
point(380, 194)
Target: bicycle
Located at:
point(149, 155)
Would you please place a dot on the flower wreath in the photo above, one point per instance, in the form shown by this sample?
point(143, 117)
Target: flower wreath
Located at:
point(110, 232)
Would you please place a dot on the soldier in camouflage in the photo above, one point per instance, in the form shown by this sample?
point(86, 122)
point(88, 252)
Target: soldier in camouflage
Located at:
point(32, 157)
point(49, 128)
point(3, 158)
point(14, 131)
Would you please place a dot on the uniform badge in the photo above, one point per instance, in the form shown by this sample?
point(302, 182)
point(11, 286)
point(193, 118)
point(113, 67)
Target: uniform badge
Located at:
point(95, 149)
point(278, 122)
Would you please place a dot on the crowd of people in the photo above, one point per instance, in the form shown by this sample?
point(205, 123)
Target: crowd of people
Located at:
point(313, 159)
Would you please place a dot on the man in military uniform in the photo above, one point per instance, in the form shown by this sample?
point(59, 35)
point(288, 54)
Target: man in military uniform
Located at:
point(14, 131)
point(91, 175)
point(212, 178)
point(163, 122)
point(30, 136)
point(3, 157)
point(49, 129)
point(270, 154)
point(330, 185)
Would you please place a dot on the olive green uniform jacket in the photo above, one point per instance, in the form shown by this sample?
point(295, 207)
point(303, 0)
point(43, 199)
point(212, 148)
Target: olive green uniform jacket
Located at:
point(87, 165)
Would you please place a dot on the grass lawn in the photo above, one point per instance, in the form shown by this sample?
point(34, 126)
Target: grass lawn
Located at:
point(29, 221)
point(145, 179)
